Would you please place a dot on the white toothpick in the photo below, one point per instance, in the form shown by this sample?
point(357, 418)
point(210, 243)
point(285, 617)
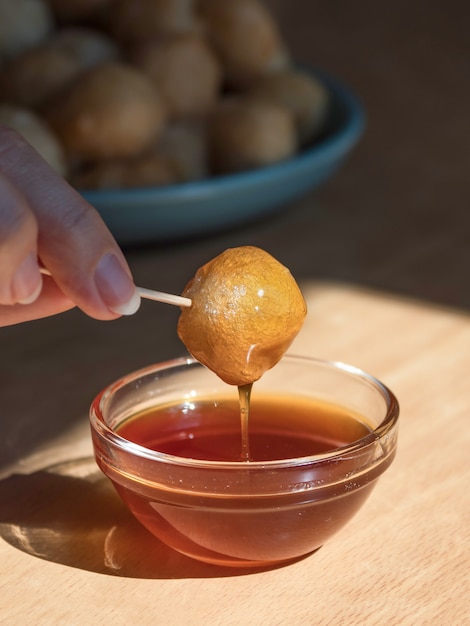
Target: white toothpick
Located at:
point(149, 294)
point(159, 296)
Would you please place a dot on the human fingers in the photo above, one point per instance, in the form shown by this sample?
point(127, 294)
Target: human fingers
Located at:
point(72, 241)
point(20, 280)
point(51, 301)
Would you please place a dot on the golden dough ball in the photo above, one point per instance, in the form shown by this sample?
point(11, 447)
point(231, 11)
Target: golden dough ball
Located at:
point(38, 74)
point(246, 311)
point(185, 70)
point(23, 24)
point(71, 11)
point(143, 171)
point(185, 143)
point(36, 133)
point(141, 20)
point(244, 134)
point(111, 111)
point(246, 38)
point(305, 97)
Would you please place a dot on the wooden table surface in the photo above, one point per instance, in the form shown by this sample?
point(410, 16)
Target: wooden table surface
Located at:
point(382, 252)
point(71, 554)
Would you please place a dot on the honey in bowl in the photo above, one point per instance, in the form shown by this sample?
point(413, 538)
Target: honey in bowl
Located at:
point(279, 428)
point(169, 437)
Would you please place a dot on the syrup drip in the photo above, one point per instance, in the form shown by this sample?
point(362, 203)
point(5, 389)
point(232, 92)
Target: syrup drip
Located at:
point(244, 393)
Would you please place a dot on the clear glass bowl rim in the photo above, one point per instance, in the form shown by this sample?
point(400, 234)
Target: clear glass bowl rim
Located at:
point(99, 425)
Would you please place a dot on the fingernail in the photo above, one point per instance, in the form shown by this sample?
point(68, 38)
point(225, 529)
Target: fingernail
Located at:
point(115, 286)
point(27, 281)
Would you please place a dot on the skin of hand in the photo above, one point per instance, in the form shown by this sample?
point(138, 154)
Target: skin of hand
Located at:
point(44, 221)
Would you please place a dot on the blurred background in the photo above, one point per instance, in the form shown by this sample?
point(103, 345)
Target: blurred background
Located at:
point(394, 218)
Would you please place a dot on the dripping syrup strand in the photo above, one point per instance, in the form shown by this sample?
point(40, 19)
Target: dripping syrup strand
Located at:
point(244, 393)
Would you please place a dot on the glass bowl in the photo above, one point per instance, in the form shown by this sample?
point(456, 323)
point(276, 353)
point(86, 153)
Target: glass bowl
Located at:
point(300, 488)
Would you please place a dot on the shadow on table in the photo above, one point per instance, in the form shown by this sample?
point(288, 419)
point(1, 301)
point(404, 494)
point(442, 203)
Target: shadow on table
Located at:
point(70, 514)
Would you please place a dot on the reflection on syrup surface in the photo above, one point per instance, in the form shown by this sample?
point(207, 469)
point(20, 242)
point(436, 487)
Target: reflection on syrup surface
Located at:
point(240, 526)
point(278, 428)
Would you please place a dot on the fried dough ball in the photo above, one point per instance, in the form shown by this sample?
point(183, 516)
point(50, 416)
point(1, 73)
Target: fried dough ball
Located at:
point(246, 311)
point(40, 73)
point(246, 38)
point(185, 70)
point(245, 134)
point(184, 142)
point(141, 20)
point(143, 171)
point(36, 133)
point(301, 94)
point(23, 24)
point(110, 111)
point(32, 78)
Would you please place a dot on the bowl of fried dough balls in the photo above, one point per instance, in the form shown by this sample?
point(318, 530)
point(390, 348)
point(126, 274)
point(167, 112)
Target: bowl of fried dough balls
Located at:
point(174, 118)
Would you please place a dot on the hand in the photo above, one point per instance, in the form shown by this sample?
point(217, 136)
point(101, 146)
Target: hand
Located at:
point(45, 221)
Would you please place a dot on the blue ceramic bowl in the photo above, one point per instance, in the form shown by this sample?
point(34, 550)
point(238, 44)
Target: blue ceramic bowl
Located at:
point(157, 214)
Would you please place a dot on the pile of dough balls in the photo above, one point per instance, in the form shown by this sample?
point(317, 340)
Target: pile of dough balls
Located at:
point(136, 93)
